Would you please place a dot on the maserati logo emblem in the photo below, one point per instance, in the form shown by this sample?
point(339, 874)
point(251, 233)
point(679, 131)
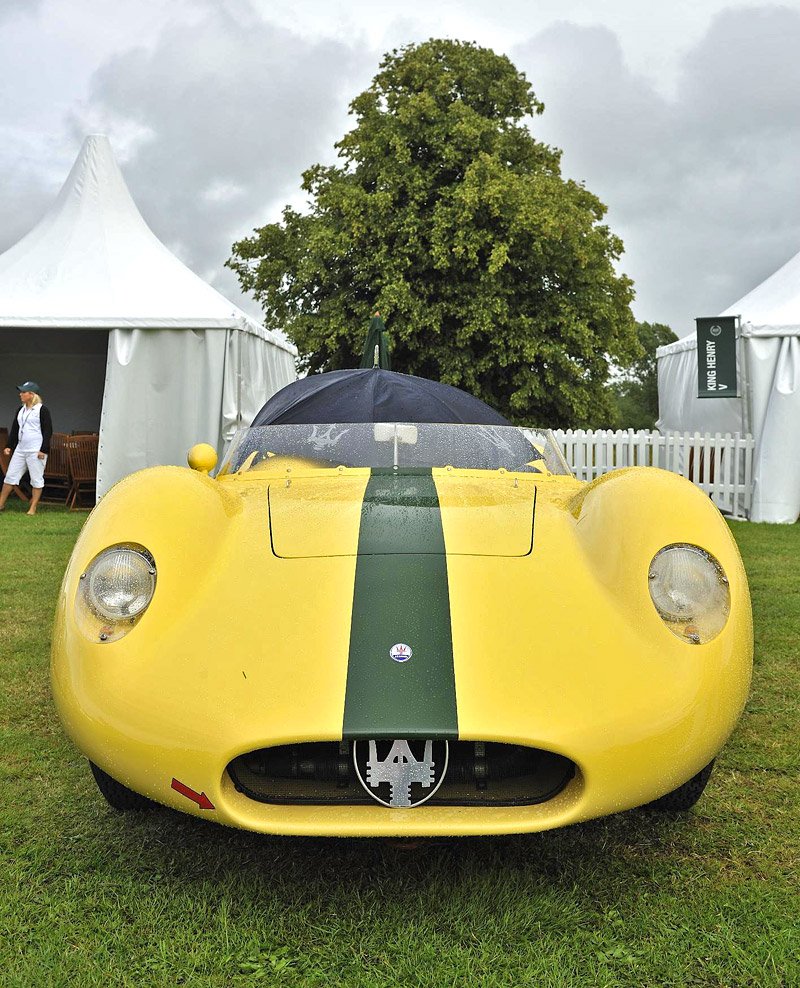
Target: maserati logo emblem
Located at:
point(400, 773)
point(400, 652)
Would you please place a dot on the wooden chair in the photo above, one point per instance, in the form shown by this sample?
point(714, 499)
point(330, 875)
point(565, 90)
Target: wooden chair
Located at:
point(3, 458)
point(82, 459)
point(23, 490)
point(57, 482)
point(701, 472)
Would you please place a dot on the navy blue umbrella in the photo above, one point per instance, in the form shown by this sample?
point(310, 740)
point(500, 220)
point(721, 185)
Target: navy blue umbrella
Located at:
point(373, 395)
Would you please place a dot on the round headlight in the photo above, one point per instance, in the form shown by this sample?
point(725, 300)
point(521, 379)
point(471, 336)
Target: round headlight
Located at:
point(690, 591)
point(120, 582)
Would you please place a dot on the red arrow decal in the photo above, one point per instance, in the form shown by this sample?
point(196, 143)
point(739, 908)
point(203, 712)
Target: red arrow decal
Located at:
point(196, 797)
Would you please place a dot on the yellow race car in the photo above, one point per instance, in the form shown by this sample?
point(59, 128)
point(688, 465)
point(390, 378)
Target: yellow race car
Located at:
point(393, 613)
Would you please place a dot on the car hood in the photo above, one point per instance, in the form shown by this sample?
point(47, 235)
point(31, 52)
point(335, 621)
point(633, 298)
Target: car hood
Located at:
point(412, 511)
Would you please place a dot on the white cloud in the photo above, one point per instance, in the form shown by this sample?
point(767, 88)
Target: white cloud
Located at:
point(13, 8)
point(222, 191)
point(700, 185)
point(229, 111)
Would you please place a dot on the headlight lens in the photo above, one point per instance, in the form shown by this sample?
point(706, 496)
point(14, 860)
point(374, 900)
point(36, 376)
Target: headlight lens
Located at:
point(690, 591)
point(115, 591)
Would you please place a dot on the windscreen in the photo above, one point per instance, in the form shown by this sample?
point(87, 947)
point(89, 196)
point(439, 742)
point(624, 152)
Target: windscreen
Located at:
point(398, 444)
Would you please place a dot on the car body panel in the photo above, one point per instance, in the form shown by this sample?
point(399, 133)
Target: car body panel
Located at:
point(558, 648)
point(313, 517)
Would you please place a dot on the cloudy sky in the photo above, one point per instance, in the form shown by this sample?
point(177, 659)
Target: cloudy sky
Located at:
point(684, 118)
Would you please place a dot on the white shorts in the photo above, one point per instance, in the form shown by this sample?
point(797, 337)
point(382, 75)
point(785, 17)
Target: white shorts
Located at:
point(20, 461)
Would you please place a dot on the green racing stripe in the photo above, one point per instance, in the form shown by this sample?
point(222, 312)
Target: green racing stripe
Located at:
point(401, 596)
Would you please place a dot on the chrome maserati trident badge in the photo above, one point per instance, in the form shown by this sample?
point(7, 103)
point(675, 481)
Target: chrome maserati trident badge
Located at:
point(400, 652)
point(400, 773)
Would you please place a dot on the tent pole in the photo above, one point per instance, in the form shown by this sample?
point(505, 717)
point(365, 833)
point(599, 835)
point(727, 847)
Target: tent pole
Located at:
point(745, 380)
point(238, 379)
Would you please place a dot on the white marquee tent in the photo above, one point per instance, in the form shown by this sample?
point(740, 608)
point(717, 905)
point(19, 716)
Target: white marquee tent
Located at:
point(769, 382)
point(122, 337)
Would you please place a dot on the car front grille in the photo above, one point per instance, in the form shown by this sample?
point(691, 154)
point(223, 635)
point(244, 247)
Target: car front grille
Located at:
point(478, 774)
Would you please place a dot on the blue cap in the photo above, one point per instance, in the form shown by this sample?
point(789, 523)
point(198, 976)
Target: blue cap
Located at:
point(29, 386)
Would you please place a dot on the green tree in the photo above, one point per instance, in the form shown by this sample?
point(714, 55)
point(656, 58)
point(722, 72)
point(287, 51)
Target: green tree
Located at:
point(635, 390)
point(493, 272)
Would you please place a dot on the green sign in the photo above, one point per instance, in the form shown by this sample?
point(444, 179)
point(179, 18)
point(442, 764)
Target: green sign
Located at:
point(716, 358)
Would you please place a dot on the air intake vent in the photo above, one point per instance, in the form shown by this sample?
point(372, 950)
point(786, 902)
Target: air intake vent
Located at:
point(479, 773)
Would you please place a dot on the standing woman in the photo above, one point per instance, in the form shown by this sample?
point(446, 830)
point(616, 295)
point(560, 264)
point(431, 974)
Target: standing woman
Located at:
point(29, 440)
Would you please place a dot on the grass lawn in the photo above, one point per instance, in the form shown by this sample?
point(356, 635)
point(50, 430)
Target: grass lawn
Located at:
point(90, 897)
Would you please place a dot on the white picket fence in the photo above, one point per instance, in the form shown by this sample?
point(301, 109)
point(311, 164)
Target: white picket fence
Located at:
point(720, 465)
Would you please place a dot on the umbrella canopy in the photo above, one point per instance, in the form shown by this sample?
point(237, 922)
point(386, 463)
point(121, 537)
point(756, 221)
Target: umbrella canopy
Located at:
point(373, 396)
point(376, 337)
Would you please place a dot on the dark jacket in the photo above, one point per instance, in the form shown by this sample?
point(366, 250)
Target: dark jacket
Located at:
point(47, 430)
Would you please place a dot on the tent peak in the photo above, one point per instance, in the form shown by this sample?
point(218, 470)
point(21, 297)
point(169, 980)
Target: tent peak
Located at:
point(93, 262)
point(96, 174)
